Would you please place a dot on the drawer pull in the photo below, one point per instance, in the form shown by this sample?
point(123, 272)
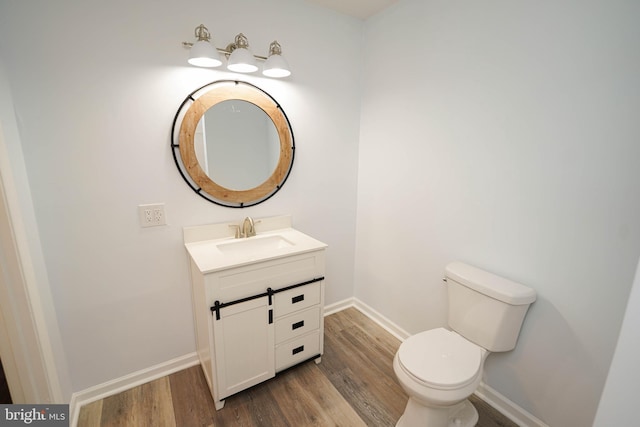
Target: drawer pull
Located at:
point(297, 299)
point(297, 325)
point(297, 350)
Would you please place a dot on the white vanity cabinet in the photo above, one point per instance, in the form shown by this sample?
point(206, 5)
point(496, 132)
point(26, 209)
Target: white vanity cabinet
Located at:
point(258, 318)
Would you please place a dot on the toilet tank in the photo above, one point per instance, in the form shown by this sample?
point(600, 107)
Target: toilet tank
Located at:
point(484, 308)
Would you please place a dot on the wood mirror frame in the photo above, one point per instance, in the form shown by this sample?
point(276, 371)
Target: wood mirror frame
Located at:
point(183, 145)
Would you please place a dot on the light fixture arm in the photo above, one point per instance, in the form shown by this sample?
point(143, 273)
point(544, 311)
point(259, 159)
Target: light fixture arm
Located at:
point(240, 42)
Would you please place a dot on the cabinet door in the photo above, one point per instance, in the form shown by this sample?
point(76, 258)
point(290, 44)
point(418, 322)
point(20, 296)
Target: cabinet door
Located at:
point(243, 346)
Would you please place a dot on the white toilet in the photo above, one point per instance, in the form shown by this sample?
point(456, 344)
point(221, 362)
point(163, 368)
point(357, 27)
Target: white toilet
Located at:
point(439, 369)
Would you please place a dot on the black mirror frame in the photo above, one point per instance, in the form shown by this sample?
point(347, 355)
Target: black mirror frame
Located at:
point(182, 143)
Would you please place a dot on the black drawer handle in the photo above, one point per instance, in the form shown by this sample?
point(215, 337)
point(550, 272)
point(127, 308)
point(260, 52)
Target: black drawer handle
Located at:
point(297, 299)
point(297, 325)
point(297, 350)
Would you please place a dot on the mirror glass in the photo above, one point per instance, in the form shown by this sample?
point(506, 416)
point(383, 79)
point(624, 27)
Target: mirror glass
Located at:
point(237, 144)
point(232, 143)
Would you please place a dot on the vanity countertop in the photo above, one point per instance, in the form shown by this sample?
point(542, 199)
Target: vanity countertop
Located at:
point(212, 248)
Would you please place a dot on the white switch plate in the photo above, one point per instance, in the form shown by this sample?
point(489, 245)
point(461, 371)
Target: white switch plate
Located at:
point(151, 215)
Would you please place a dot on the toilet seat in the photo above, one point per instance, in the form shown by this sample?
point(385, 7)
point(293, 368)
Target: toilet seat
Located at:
point(440, 359)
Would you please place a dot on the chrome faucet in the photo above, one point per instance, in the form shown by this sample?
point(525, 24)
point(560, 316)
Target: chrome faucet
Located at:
point(248, 228)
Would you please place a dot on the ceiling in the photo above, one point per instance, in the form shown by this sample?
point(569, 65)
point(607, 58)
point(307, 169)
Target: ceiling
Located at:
point(362, 9)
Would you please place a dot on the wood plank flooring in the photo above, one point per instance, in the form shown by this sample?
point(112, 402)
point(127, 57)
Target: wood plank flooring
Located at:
point(353, 386)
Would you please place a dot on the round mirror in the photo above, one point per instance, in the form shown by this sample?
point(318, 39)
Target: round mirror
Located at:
point(233, 143)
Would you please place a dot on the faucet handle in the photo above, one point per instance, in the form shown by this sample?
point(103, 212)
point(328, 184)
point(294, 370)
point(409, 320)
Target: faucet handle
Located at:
point(253, 227)
point(238, 232)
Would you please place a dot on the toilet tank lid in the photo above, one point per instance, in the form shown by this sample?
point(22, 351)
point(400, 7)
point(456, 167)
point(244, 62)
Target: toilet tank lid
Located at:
point(489, 284)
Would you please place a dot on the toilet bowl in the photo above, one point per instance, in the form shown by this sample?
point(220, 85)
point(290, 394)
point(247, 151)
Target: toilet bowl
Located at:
point(440, 368)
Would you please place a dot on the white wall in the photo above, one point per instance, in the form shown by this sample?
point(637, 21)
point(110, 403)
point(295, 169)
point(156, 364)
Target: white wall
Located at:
point(95, 98)
point(619, 398)
point(505, 134)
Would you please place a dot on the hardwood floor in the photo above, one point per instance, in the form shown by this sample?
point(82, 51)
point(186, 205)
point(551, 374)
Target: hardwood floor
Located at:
point(353, 386)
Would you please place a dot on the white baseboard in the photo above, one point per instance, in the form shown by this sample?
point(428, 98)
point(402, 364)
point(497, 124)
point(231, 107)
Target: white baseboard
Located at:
point(126, 382)
point(338, 306)
point(507, 408)
point(372, 314)
point(381, 320)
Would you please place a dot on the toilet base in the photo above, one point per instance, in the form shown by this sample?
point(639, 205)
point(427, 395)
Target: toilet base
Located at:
point(464, 414)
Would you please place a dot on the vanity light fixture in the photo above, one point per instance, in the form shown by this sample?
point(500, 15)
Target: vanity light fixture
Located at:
point(275, 65)
point(203, 53)
point(240, 58)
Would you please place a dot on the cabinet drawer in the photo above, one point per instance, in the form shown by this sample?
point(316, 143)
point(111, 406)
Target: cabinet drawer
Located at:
point(295, 351)
point(297, 299)
point(296, 324)
point(253, 279)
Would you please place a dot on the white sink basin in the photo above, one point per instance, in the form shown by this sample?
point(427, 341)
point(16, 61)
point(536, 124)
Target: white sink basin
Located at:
point(254, 246)
point(212, 249)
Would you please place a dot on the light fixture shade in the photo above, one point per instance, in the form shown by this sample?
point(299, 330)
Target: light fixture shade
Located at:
point(241, 60)
point(276, 66)
point(204, 54)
